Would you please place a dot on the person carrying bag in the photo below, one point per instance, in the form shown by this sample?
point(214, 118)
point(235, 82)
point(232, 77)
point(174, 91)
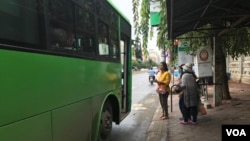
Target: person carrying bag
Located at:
point(163, 89)
point(191, 96)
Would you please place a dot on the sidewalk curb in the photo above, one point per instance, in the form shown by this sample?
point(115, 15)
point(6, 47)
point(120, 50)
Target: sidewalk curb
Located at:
point(157, 130)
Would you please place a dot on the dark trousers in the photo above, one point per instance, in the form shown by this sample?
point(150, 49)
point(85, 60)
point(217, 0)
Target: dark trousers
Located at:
point(164, 103)
point(182, 107)
point(190, 112)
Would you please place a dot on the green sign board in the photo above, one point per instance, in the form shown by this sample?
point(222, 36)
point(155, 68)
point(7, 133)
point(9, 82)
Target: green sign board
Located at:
point(155, 8)
point(155, 18)
point(183, 46)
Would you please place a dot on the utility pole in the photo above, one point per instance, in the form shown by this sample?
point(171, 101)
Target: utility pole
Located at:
point(175, 53)
point(164, 54)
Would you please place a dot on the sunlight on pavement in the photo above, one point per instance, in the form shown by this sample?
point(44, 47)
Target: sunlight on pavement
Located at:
point(138, 107)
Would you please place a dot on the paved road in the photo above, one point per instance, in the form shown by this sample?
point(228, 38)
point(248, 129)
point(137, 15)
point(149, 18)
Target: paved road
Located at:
point(144, 103)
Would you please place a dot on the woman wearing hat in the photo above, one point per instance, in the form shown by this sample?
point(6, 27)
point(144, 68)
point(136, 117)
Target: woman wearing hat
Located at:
point(180, 92)
point(190, 96)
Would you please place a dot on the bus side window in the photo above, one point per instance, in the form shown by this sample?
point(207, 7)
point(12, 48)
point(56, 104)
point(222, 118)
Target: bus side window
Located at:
point(85, 30)
point(114, 43)
point(103, 47)
point(61, 21)
point(61, 38)
point(20, 23)
point(86, 44)
point(58, 37)
point(114, 50)
point(103, 39)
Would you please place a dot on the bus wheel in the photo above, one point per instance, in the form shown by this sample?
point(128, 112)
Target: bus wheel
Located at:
point(106, 122)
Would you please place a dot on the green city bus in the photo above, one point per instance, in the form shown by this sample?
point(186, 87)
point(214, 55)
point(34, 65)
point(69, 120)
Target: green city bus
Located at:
point(65, 69)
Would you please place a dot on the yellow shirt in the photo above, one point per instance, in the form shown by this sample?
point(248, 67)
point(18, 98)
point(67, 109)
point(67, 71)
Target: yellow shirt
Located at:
point(164, 77)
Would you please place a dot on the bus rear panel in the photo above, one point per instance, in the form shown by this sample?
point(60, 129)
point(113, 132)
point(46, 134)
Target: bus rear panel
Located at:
point(64, 64)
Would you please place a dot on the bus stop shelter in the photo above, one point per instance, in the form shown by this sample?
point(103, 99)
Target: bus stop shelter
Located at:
point(223, 15)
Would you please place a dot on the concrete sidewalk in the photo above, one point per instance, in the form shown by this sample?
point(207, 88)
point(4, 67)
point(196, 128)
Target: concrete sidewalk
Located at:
point(208, 128)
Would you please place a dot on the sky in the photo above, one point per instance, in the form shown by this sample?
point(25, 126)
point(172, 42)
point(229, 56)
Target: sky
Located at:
point(125, 6)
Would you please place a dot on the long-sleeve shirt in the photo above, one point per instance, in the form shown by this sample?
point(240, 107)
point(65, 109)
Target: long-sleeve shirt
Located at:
point(191, 96)
point(164, 78)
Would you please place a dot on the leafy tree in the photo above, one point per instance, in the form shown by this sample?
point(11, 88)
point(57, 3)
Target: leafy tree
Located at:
point(142, 27)
point(237, 42)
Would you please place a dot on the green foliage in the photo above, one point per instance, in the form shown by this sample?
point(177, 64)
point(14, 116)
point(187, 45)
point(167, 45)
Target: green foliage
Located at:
point(139, 64)
point(197, 38)
point(143, 27)
point(136, 15)
point(162, 37)
point(237, 42)
point(133, 51)
point(144, 23)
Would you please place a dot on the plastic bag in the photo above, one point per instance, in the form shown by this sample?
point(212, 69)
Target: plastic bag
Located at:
point(202, 109)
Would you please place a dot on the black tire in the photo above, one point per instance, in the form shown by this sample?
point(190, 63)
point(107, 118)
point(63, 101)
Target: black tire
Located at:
point(106, 122)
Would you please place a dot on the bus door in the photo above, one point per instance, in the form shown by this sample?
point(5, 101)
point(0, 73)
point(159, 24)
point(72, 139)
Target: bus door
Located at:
point(124, 71)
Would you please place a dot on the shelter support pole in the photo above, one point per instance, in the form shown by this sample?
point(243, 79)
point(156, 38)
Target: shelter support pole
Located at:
point(217, 51)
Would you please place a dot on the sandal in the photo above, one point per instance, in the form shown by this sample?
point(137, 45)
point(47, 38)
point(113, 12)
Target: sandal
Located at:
point(193, 123)
point(181, 118)
point(161, 116)
point(164, 117)
point(183, 122)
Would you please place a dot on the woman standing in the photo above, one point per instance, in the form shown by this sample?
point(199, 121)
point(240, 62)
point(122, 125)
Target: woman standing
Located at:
point(163, 88)
point(190, 96)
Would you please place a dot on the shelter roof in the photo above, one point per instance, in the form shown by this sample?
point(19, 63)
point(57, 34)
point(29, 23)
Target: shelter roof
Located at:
point(189, 15)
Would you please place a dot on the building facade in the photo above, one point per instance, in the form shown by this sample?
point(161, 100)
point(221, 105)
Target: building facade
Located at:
point(239, 69)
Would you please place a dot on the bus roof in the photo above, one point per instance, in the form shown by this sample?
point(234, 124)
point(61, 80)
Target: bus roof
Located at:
point(117, 9)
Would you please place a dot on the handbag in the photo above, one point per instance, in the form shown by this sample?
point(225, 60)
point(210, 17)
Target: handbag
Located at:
point(161, 91)
point(178, 89)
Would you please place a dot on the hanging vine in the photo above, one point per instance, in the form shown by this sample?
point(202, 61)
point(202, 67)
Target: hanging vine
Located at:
point(144, 25)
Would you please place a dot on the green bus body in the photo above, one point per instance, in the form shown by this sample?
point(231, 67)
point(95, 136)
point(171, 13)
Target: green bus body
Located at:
point(52, 94)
